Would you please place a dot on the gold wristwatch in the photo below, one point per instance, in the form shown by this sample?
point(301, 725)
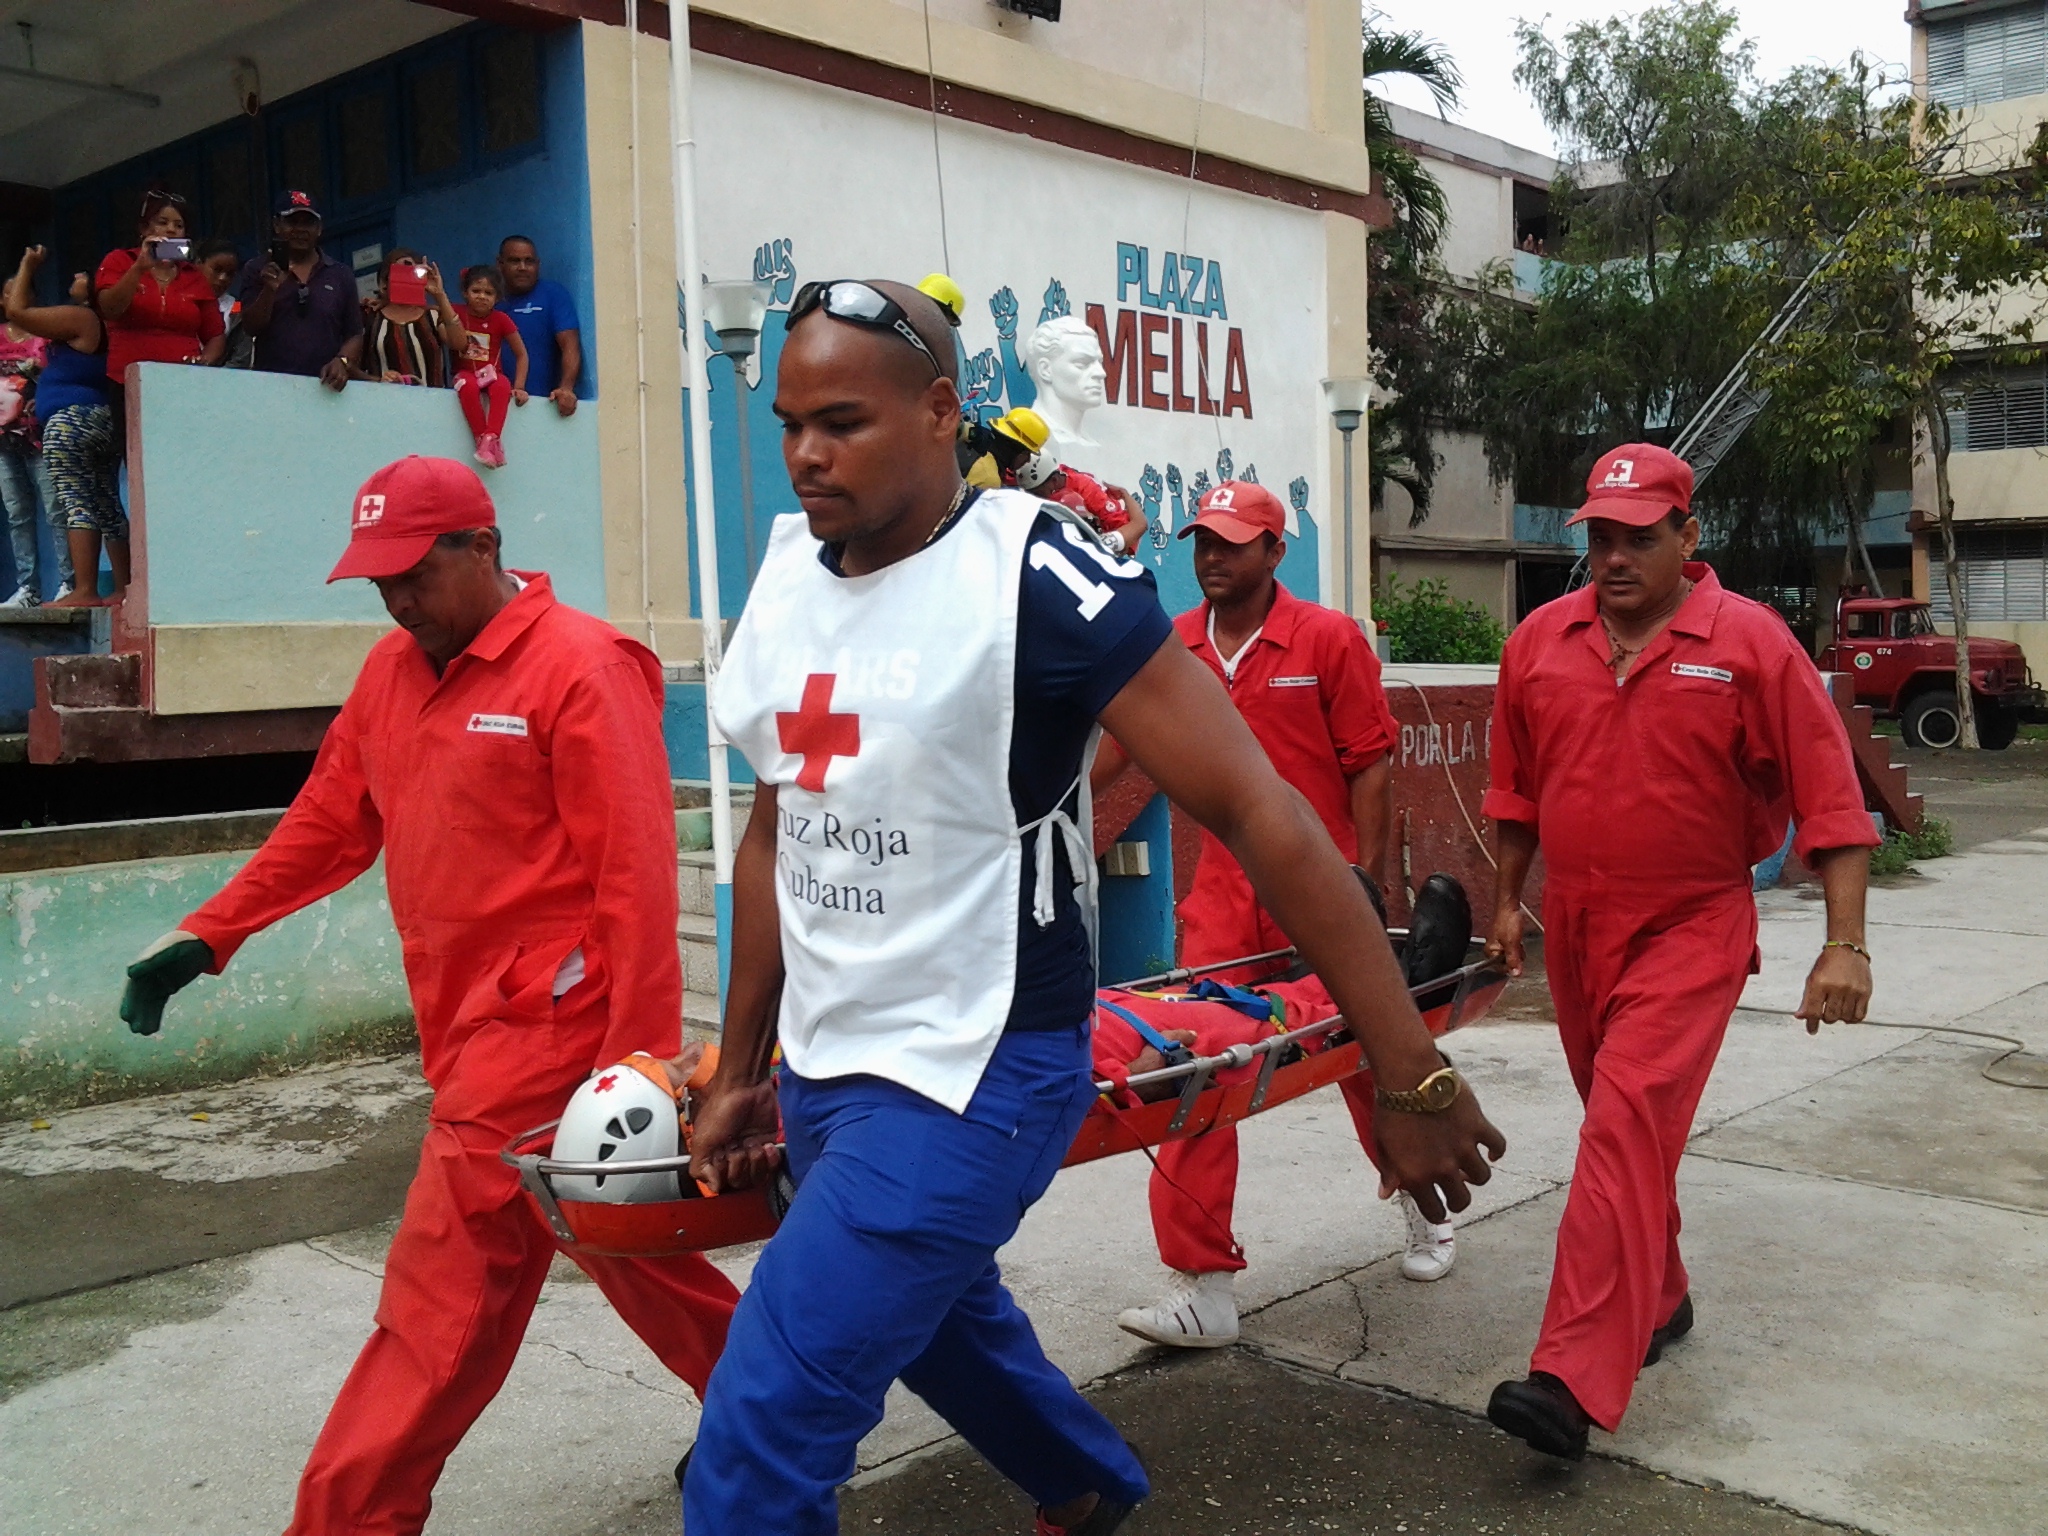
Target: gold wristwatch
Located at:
point(1432, 1096)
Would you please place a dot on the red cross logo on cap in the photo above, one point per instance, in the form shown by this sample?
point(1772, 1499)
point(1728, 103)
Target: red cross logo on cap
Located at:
point(815, 734)
point(300, 200)
point(606, 1083)
point(369, 509)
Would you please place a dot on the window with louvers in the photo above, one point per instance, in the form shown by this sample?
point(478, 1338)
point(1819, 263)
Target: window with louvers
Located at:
point(1994, 57)
point(2005, 575)
point(2010, 411)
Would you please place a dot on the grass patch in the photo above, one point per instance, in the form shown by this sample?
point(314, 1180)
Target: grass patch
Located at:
point(1901, 849)
point(2033, 733)
point(1885, 728)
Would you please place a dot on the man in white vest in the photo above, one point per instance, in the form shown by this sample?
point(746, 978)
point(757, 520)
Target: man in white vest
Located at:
point(917, 681)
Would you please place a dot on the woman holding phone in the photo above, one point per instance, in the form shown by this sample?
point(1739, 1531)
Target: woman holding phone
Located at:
point(158, 306)
point(410, 323)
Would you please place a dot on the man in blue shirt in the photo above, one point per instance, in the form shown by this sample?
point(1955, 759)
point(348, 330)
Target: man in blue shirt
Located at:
point(546, 317)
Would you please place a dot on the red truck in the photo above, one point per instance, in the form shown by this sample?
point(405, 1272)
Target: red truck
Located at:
point(1906, 671)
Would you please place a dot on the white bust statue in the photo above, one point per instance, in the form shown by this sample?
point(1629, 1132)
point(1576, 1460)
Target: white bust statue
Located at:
point(1065, 360)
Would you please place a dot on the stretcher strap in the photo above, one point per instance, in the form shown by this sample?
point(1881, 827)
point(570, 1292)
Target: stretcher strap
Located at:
point(1173, 1050)
point(1253, 1005)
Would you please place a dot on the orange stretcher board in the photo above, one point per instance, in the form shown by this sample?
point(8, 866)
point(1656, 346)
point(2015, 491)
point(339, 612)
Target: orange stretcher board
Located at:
point(656, 1228)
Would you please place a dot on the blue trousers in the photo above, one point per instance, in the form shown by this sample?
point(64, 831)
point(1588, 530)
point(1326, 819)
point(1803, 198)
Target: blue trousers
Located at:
point(885, 1268)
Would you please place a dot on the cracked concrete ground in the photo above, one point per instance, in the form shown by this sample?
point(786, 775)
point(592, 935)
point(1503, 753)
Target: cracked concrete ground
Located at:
point(1867, 1225)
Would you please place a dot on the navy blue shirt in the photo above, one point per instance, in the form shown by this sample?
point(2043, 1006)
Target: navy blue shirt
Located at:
point(540, 315)
point(309, 321)
point(1074, 654)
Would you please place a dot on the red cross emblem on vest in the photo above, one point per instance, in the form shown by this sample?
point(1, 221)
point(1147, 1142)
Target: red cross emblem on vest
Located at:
point(815, 734)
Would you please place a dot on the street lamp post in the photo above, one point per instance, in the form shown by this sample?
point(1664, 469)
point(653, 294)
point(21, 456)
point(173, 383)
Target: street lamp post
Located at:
point(1347, 399)
point(736, 311)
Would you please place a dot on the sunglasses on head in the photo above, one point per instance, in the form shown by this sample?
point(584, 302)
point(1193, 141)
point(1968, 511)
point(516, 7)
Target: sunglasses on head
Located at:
point(859, 304)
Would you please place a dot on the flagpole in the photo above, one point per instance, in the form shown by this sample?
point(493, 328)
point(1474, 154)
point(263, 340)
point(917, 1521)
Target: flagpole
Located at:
point(696, 376)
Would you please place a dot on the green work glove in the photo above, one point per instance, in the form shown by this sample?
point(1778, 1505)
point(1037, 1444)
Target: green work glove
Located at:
point(168, 964)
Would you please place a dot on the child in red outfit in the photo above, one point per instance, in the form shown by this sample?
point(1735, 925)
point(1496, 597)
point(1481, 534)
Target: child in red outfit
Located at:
point(480, 382)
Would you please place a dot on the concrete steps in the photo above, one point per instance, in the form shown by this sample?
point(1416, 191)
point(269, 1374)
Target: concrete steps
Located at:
point(697, 933)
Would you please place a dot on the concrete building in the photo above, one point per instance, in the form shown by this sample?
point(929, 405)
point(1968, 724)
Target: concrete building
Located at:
point(1187, 180)
point(1987, 60)
point(1482, 539)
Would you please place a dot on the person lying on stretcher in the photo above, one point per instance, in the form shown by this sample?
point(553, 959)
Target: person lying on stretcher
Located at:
point(1140, 1032)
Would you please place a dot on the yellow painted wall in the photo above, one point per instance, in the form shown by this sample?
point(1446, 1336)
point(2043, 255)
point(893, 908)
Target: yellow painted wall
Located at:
point(1157, 96)
point(611, 129)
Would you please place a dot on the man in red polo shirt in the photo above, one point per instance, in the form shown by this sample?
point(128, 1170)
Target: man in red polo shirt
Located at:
point(1653, 733)
point(1308, 685)
point(503, 752)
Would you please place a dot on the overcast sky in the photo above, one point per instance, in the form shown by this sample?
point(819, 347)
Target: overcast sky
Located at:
point(1788, 33)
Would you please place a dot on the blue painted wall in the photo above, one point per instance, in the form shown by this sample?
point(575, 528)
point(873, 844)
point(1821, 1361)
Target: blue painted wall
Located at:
point(683, 732)
point(1137, 912)
point(545, 197)
point(250, 478)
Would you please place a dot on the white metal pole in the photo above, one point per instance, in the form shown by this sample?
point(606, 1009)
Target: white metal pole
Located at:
point(697, 378)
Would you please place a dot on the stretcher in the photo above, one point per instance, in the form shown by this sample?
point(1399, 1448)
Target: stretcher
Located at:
point(1290, 1064)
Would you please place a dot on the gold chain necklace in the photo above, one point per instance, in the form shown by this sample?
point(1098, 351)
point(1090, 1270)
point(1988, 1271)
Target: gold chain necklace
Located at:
point(945, 522)
point(1619, 653)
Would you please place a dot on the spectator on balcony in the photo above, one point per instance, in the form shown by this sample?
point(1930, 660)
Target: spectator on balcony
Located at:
point(480, 382)
point(546, 317)
point(402, 341)
point(81, 447)
point(157, 305)
point(24, 483)
point(222, 264)
point(301, 306)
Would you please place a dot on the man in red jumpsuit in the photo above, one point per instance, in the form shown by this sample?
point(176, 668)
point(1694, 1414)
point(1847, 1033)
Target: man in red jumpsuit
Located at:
point(1653, 733)
point(504, 753)
point(1308, 685)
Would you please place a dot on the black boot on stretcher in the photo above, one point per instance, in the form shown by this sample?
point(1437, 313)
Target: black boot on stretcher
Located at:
point(1439, 931)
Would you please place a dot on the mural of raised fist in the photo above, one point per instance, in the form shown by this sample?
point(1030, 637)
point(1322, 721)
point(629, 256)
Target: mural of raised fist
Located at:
point(1055, 303)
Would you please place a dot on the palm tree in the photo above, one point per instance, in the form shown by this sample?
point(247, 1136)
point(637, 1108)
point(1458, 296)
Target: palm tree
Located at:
point(1419, 202)
point(1401, 272)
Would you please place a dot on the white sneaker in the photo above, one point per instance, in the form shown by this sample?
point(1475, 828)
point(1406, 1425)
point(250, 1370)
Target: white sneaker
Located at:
point(1432, 1247)
point(1200, 1313)
point(64, 590)
point(25, 596)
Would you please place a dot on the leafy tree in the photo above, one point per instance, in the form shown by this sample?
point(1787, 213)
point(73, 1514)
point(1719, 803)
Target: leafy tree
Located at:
point(1403, 279)
point(1926, 240)
point(1661, 120)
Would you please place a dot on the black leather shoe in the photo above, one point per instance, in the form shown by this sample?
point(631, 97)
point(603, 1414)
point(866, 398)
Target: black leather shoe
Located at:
point(1674, 1330)
point(1542, 1411)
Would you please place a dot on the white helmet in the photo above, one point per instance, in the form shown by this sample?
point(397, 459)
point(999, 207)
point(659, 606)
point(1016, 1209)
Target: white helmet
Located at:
point(621, 1114)
point(1038, 469)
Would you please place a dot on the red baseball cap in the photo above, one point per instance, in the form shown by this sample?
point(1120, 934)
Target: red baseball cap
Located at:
point(404, 507)
point(1239, 511)
point(1637, 484)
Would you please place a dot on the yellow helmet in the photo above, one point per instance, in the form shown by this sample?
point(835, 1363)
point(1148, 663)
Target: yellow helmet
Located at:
point(1023, 425)
point(946, 294)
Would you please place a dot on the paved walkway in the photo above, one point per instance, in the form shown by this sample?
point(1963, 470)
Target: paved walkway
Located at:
point(1867, 1224)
